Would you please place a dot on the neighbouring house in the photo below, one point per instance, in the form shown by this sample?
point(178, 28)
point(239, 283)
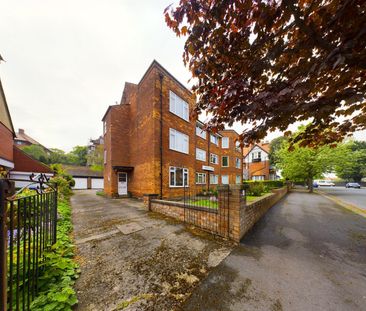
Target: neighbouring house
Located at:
point(22, 139)
point(84, 177)
point(152, 144)
point(256, 163)
point(95, 152)
point(7, 135)
point(13, 161)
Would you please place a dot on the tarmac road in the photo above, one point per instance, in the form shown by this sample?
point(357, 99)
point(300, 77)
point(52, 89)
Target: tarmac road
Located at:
point(306, 253)
point(355, 197)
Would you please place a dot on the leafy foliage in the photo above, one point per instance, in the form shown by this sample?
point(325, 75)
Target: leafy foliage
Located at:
point(351, 161)
point(60, 270)
point(272, 63)
point(63, 180)
point(95, 158)
point(257, 188)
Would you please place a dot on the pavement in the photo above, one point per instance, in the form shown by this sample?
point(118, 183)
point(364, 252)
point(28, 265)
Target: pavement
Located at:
point(306, 253)
point(356, 197)
point(132, 259)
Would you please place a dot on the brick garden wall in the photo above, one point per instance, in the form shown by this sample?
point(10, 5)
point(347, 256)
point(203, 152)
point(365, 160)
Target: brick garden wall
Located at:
point(232, 220)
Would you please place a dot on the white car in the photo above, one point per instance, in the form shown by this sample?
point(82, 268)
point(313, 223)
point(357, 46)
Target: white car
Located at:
point(327, 183)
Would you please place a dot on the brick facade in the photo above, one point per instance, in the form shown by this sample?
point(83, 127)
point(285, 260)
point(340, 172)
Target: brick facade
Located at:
point(137, 127)
point(6, 148)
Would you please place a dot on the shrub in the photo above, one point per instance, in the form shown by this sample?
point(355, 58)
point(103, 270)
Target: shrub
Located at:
point(257, 188)
point(63, 181)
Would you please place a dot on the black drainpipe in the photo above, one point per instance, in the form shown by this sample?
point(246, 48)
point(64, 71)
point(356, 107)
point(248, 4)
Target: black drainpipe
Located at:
point(161, 135)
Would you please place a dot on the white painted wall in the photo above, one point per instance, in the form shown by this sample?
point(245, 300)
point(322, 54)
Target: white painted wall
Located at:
point(264, 155)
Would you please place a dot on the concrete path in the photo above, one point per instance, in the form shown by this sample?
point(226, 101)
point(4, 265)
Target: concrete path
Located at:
point(307, 253)
point(135, 260)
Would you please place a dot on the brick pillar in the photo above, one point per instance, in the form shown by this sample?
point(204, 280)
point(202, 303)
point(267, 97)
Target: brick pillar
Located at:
point(236, 209)
point(147, 200)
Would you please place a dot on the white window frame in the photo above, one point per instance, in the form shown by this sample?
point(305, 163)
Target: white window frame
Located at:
point(185, 172)
point(258, 177)
point(104, 127)
point(215, 156)
point(238, 179)
point(222, 161)
point(198, 152)
point(237, 163)
point(175, 144)
point(214, 139)
point(174, 106)
point(201, 176)
point(225, 141)
point(200, 132)
point(222, 179)
point(105, 156)
point(216, 179)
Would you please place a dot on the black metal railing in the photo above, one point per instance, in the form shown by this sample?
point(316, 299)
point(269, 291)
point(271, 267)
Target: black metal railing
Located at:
point(29, 226)
point(201, 198)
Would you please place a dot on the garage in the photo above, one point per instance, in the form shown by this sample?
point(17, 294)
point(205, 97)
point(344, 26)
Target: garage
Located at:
point(81, 183)
point(85, 178)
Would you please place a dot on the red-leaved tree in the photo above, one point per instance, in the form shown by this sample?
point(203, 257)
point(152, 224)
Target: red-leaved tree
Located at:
point(272, 63)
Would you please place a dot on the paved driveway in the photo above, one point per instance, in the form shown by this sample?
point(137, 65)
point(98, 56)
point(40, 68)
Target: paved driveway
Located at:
point(356, 197)
point(307, 253)
point(134, 260)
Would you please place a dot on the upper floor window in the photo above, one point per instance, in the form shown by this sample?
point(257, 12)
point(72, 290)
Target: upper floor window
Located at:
point(178, 106)
point(238, 179)
point(256, 156)
point(237, 146)
point(225, 142)
point(237, 163)
point(214, 139)
point(214, 159)
point(104, 127)
point(225, 161)
point(178, 177)
point(200, 132)
point(225, 179)
point(178, 141)
point(200, 154)
point(105, 156)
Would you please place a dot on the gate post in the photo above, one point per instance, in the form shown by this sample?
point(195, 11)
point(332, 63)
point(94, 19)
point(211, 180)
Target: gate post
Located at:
point(3, 246)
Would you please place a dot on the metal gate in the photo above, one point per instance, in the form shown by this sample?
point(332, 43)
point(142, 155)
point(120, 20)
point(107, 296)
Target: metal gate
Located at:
point(28, 226)
point(208, 210)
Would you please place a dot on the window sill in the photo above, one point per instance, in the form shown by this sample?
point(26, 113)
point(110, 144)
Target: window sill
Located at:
point(178, 186)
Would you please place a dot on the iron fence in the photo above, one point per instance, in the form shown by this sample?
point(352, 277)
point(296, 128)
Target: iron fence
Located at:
point(28, 226)
point(208, 210)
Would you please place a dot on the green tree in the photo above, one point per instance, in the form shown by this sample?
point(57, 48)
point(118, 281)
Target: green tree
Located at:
point(351, 161)
point(58, 156)
point(78, 155)
point(304, 163)
point(37, 152)
point(95, 158)
point(274, 147)
point(272, 63)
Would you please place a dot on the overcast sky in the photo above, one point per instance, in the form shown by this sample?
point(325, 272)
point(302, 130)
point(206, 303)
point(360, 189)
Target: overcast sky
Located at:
point(67, 61)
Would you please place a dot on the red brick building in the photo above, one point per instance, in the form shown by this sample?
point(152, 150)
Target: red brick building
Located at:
point(256, 163)
point(153, 145)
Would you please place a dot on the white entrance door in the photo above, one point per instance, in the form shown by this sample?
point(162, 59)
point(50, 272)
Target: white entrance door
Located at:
point(122, 183)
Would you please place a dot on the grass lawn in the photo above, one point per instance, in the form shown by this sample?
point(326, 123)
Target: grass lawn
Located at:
point(203, 203)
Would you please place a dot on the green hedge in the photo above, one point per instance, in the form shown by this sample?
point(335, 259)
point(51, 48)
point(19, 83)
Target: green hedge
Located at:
point(257, 188)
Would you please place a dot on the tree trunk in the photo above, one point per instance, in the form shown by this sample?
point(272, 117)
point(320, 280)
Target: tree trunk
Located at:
point(310, 185)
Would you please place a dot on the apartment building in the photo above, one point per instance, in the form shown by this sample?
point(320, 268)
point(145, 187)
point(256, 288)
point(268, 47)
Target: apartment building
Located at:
point(256, 163)
point(154, 145)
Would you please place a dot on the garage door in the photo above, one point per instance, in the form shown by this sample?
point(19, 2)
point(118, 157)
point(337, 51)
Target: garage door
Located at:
point(81, 183)
point(97, 183)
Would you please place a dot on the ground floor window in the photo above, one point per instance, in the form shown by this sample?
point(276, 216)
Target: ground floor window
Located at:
point(178, 176)
point(225, 179)
point(200, 178)
point(258, 177)
point(214, 179)
point(238, 179)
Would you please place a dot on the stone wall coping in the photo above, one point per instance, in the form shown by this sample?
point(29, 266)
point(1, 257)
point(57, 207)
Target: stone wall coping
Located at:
point(183, 205)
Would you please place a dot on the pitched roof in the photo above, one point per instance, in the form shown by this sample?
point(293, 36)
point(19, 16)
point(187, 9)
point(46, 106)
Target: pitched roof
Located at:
point(5, 116)
point(81, 171)
point(21, 135)
point(24, 163)
point(264, 146)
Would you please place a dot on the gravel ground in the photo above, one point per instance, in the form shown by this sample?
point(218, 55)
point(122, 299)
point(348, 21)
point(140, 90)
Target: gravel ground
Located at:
point(154, 267)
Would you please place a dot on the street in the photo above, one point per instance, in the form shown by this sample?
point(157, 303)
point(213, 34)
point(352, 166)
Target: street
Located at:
point(306, 253)
point(356, 197)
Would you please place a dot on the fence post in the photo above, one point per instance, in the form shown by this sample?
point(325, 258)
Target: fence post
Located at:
point(55, 215)
point(3, 246)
